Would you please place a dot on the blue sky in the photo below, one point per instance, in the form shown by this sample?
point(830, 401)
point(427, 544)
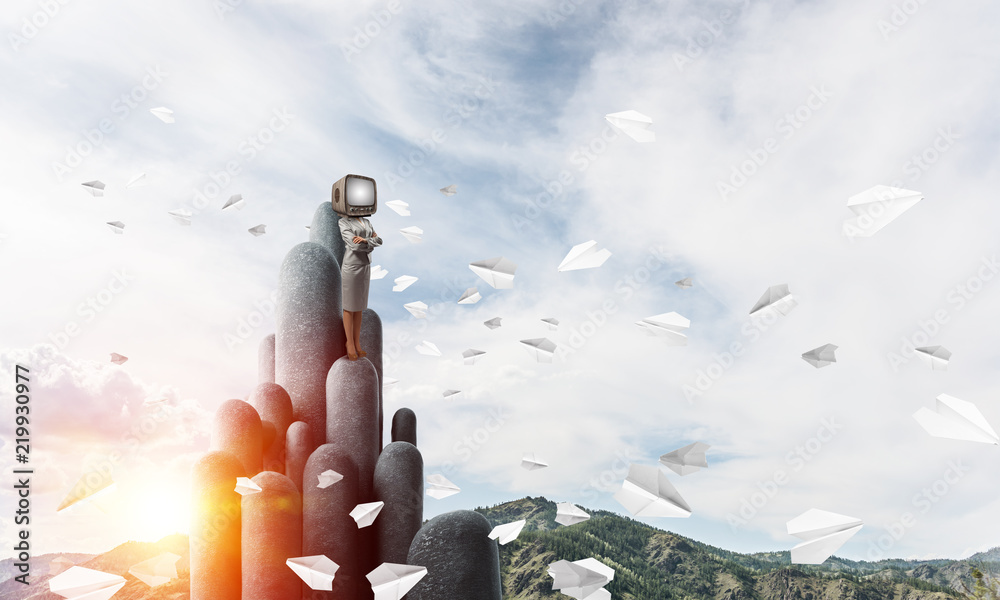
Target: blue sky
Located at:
point(505, 101)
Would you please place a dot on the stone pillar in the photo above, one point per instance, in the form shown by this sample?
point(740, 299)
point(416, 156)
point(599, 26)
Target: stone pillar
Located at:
point(215, 528)
point(265, 360)
point(325, 230)
point(461, 560)
point(237, 430)
point(272, 533)
point(404, 426)
point(327, 526)
point(274, 406)
point(298, 445)
point(352, 419)
point(371, 343)
point(310, 331)
point(399, 482)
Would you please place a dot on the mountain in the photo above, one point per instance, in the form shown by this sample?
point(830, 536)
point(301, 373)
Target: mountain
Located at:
point(650, 564)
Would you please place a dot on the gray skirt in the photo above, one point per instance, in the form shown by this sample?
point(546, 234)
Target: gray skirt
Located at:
point(354, 286)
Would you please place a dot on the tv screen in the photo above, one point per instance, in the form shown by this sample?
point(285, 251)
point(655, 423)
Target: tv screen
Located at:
point(360, 192)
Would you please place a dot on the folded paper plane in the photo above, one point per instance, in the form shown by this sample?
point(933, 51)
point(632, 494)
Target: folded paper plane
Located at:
point(391, 581)
point(507, 532)
point(686, 460)
point(417, 309)
point(328, 478)
point(777, 299)
point(439, 487)
point(493, 323)
point(684, 283)
point(957, 420)
point(118, 358)
point(157, 570)
point(584, 256)
point(427, 349)
point(79, 583)
point(246, 486)
point(450, 190)
point(136, 181)
point(471, 296)
point(390, 381)
point(541, 348)
point(378, 272)
point(181, 215)
point(824, 533)
point(403, 281)
point(399, 207)
point(163, 113)
point(498, 272)
point(570, 514)
point(669, 326)
point(257, 230)
point(414, 234)
point(633, 124)
point(936, 357)
point(821, 357)
point(646, 492)
point(531, 462)
point(96, 188)
point(316, 571)
point(580, 579)
point(451, 394)
point(235, 202)
point(472, 355)
point(551, 322)
point(117, 226)
point(364, 514)
point(876, 207)
point(90, 487)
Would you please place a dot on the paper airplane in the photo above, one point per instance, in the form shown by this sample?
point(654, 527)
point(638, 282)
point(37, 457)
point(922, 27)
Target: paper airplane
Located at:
point(378, 272)
point(96, 188)
point(580, 579)
point(390, 581)
point(957, 420)
point(777, 299)
point(403, 281)
point(876, 207)
point(584, 256)
point(471, 296)
point(58, 565)
point(328, 478)
point(498, 272)
point(157, 570)
point(390, 381)
point(450, 394)
point(235, 201)
point(493, 323)
point(364, 514)
point(78, 583)
point(633, 124)
point(439, 487)
point(257, 230)
point(399, 207)
point(414, 235)
point(136, 181)
point(686, 460)
point(646, 492)
point(117, 226)
point(670, 326)
point(118, 358)
point(417, 309)
point(533, 463)
point(427, 349)
point(824, 532)
point(507, 532)
point(570, 514)
point(450, 190)
point(89, 487)
point(936, 357)
point(551, 322)
point(316, 571)
point(181, 215)
point(684, 283)
point(472, 355)
point(246, 486)
point(541, 348)
point(163, 113)
point(821, 357)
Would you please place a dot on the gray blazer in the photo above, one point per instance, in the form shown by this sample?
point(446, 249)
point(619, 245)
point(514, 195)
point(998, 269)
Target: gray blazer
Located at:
point(358, 254)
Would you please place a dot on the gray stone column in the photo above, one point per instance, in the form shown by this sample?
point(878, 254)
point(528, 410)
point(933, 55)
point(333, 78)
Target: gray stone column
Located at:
point(265, 360)
point(325, 230)
point(371, 343)
point(399, 482)
point(461, 560)
point(215, 528)
point(274, 406)
point(298, 446)
point(352, 420)
point(272, 533)
point(237, 430)
point(404, 426)
point(327, 526)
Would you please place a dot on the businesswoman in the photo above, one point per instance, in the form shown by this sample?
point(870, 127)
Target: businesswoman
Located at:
point(359, 241)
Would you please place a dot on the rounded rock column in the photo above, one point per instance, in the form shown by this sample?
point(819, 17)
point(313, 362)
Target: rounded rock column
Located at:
point(214, 538)
point(274, 406)
point(352, 419)
point(236, 429)
point(404, 426)
point(272, 533)
point(327, 526)
point(399, 483)
point(325, 230)
point(298, 446)
point(462, 562)
point(265, 360)
point(371, 342)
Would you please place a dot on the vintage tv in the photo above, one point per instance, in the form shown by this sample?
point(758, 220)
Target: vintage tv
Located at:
point(355, 196)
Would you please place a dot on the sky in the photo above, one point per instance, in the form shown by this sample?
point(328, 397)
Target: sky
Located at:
point(768, 116)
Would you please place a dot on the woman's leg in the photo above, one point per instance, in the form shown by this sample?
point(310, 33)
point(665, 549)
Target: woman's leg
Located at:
point(357, 332)
point(352, 349)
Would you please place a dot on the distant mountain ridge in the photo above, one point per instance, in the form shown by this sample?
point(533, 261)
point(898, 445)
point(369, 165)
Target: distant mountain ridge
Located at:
point(650, 564)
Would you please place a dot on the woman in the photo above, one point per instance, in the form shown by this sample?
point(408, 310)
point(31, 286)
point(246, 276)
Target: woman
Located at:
point(360, 239)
